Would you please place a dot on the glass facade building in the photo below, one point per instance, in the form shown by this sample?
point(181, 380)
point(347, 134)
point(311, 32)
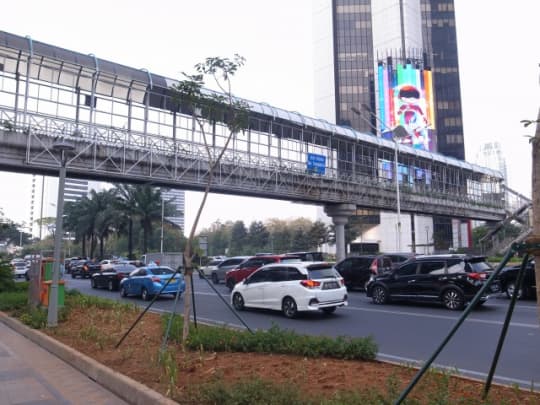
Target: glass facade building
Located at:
point(363, 32)
point(353, 37)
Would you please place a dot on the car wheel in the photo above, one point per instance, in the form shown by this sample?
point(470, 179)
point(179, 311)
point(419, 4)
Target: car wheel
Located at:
point(93, 283)
point(379, 295)
point(289, 308)
point(110, 285)
point(123, 292)
point(27, 276)
point(215, 279)
point(453, 299)
point(329, 310)
point(201, 274)
point(144, 295)
point(511, 287)
point(73, 275)
point(230, 284)
point(238, 302)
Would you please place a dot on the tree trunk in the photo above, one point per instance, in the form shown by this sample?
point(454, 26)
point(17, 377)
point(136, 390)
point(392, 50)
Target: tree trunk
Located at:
point(92, 246)
point(83, 253)
point(101, 239)
point(188, 273)
point(33, 288)
point(535, 237)
point(146, 233)
point(130, 239)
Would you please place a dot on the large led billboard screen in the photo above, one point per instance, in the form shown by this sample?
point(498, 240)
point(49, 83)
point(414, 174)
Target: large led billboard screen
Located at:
point(405, 97)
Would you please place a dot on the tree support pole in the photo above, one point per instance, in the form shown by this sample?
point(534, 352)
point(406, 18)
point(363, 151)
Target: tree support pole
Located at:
point(462, 318)
point(519, 282)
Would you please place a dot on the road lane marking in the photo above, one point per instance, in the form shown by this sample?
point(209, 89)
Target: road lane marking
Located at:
point(452, 318)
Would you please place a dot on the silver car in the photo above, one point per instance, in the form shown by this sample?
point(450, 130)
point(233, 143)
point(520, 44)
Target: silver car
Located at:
point(218, 274)
point(206, 271)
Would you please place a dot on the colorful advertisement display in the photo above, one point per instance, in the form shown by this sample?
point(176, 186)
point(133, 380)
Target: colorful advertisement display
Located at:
point(405, 97)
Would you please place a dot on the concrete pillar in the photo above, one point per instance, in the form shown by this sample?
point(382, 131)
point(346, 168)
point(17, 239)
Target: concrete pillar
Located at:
point(340, 214)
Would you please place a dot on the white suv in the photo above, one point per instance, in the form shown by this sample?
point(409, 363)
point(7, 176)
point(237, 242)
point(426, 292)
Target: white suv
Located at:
point(291, 288)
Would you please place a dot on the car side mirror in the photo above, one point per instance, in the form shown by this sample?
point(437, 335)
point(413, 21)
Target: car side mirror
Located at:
point(246, 281)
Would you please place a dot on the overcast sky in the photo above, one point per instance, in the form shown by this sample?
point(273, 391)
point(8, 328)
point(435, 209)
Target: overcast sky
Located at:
point(498, 57)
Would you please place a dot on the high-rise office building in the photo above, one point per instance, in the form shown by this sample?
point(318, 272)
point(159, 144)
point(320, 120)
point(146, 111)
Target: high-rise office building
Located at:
point(353, 39)
point(491, 155)
point(177, 199)
point(75, 189)
point(383, 63)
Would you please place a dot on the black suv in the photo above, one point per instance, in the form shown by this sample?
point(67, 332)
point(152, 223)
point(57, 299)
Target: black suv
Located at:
point(452, 280)
point(358, 270)
point(508, 276)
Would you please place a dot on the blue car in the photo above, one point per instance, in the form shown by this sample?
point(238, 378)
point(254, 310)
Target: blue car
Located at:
point(148, 282)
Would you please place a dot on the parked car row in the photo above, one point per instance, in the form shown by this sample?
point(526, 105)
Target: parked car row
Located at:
point(289, 285)
point(145, 282)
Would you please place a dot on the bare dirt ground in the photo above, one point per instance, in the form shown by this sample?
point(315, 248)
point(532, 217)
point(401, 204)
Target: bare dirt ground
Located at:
point(95, 333)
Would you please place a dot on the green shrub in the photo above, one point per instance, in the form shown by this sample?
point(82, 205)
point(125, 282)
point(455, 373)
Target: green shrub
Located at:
point(273, 340)
point(13, 300)
point(77, 300)
point(251, 392)
point(6, 277)
point(35, 318)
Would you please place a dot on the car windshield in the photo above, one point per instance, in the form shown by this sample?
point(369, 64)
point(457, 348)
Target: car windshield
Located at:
point(231, 262)
point(125, 268)
point(321, 271)
point(291, 260)
point(160, 271)
point(20, 264)
point(214, 262)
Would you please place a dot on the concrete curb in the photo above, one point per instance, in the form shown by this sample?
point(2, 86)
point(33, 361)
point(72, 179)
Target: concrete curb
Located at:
point(126, 388)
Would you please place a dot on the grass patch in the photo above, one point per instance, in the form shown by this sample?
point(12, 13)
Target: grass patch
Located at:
point(13, 300)
point(273, 340)
point(254, 392)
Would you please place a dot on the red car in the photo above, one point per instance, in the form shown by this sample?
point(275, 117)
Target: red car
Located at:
point(244, 269)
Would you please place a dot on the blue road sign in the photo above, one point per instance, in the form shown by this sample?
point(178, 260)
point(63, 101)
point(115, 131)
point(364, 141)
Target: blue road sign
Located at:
point(316, 163)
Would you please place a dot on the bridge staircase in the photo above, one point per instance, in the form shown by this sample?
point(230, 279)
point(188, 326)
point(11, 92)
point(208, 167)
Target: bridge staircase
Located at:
point(518, 210)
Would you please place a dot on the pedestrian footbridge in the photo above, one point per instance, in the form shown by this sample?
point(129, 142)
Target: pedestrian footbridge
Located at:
point(124, 127)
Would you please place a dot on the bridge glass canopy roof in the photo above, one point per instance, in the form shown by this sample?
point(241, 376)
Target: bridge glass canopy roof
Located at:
point(101, 77)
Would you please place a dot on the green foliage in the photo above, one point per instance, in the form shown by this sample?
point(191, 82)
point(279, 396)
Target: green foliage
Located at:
point(13, 300)
point(74, 299)
point(274, 235)
point(34, 317)
point(6, 277)
point(250, 392)
point(188, 94)
point(238, 239)
point(274, 340)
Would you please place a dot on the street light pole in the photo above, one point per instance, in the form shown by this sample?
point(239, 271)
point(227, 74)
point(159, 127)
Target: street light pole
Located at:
point(162, 214)
point(52, 313)
point(398, 205)
point(398, 133)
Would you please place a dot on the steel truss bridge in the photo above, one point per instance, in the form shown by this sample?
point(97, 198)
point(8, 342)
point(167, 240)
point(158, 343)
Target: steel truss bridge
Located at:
point(125, 128)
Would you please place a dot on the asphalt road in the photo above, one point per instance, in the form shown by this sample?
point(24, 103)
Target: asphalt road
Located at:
point(405, 332)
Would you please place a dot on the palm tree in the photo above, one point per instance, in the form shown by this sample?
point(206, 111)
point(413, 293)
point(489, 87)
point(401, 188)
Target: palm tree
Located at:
point(126, 204)
point(80, 220)
point(106, 216)
point(148, 209)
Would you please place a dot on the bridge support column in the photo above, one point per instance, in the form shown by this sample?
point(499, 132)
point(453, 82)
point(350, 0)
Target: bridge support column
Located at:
point(340, 214)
